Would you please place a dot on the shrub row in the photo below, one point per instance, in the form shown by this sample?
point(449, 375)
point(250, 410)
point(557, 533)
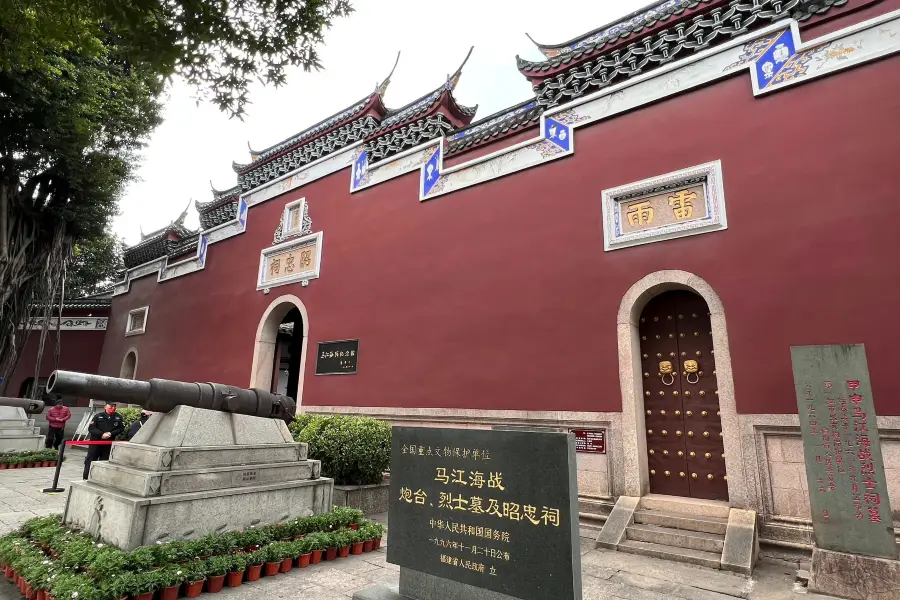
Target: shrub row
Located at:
point(52, 562)
point(21, 460)
point(353, 450)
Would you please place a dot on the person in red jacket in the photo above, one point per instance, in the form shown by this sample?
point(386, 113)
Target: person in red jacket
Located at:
point(56, 419)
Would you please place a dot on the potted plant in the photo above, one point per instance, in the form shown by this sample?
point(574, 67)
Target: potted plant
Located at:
point(304, 553)
point(255, 562)
point(289, 554)
point(216, 569)
point(356, 541)
point(236, 568)
point(368, 536)
point(274, 556)
point(331, 546)
point(141, 585)
point(251, 539)
point(316, 547)
point(194, 578)
point(378, 530)
point(343, 539)
point(170, 580)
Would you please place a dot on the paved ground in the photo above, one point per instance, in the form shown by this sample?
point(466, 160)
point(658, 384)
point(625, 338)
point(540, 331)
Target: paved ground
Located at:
point(606, 575)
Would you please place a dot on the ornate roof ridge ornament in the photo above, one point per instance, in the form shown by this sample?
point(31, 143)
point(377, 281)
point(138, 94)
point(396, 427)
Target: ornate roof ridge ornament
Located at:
point(381, 88)
point(452, 80)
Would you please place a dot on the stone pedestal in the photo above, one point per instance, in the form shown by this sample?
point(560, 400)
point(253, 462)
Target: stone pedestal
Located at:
point(422, 586)
point(854, 576)
point(191, 472)
point(17, 431)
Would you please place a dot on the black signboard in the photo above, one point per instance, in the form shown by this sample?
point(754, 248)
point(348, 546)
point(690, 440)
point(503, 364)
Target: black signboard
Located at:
point(590, 440)
point(337, 358)
point(493, 509)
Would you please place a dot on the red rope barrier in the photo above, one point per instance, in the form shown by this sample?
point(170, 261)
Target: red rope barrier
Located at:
point(89, 443)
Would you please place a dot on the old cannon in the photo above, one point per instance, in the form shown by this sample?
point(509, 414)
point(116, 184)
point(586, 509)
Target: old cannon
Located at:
point(32, 407)
point(162, 395)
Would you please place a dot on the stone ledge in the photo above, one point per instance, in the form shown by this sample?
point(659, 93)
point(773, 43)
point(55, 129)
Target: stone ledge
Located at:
point(145, 483)
point(159, 458)
point(853, 576)
point(371, 499)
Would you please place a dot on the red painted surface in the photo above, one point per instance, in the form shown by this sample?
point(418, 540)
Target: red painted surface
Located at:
point(501, 296)
point(79, 351)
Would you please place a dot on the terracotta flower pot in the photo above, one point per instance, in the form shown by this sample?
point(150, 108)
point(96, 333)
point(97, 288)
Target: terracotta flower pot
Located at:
point(356, 548)
point(8, 572)
point(354, 526)
point(52, 463)
point(215, 583)
point(144, 596)
point(235, 578)
point(377, 544)
point(42, 595)
point(287, 564)
point(315, 557)
point(252, 548)
point(30, 592)
point(169, 593)
point(272, 568)
point(298, 537)
point(368, 545)
point(194, 588)
point(3, 467)
point(303, 560)
point(253, 572)
point(331, 553)
point(344, 552)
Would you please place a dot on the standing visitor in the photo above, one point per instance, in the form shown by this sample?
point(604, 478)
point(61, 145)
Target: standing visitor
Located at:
point(105, 426)
point(136, 426)
point(56, 420)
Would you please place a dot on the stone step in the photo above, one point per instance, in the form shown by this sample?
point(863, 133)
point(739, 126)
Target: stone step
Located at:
point(682, 555)
point(679, 538)
point(715, 525)
point(19, 431)
point(159, 458)
point(590, 524)
point(685, 506)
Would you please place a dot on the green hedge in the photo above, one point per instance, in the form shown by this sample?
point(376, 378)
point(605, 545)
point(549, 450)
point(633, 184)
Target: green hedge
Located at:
point(353, 450)
point(129, 416)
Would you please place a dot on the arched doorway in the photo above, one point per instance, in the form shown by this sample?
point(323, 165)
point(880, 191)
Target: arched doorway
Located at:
point(129, 365)
point(686, 453)
point(279, 356)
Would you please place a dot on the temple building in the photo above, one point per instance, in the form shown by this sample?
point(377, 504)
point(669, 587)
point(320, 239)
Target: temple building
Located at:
point(631, 251)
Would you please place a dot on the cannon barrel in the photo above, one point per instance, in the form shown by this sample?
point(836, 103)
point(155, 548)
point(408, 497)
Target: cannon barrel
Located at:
point(32, 407)
point(162, 395)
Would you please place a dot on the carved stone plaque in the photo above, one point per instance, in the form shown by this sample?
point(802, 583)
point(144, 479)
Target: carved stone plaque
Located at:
point(848, 492)
point(658, 210)
point(245, 477)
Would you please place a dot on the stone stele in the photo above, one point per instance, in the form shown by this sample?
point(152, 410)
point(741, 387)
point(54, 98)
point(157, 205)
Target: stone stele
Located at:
point(854, 576)
point(193, 471)
point(17, 431)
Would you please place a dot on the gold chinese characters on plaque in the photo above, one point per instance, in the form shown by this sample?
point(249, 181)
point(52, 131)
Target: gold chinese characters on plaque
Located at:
point(658, 210)
point(293, 262)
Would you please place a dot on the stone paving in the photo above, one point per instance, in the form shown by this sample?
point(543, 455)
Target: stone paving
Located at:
point(606, 575)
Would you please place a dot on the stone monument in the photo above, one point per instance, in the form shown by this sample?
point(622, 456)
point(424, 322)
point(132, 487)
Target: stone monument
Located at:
point(855, 553)
point(17, 431)
point(481, 514)
point(193, 471)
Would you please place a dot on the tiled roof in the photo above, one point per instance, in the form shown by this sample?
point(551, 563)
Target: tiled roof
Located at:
point(495, 126)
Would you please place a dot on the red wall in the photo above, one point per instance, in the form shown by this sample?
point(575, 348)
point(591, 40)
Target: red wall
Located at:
point(501, 296)
point(78, 351)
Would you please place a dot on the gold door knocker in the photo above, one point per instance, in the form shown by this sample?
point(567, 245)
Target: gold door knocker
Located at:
point(665, 368)
point(691, 368)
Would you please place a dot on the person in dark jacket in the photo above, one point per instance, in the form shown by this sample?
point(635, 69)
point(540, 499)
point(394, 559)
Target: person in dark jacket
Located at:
point(56, 424)
point(136, 426)
point(105, 426)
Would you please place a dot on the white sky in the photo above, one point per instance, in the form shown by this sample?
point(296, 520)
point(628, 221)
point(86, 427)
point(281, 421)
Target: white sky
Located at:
point(197, 144)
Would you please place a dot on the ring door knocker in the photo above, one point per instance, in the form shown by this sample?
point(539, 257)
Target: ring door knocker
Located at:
point(691, 368)
point(665, 368)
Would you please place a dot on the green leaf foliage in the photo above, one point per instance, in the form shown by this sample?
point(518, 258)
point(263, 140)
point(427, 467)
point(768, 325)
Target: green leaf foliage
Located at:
point(353, 450)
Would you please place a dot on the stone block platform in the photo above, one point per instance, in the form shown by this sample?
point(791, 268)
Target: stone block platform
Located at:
point(17, 432)
point(191, 472)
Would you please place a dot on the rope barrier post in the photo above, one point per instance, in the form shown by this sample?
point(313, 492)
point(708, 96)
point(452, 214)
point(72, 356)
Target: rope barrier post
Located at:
point(59, 461)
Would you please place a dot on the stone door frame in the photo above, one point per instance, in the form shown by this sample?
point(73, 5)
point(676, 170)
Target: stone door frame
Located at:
point(634, 438)
point(262, 369)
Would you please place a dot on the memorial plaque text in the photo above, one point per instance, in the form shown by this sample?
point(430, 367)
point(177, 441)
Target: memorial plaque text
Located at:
point(848, 493)
point(590, 440)
point(492, 509)
point(337, 358)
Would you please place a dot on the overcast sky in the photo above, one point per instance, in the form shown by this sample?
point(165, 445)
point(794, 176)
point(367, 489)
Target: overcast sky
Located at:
point(197, 144)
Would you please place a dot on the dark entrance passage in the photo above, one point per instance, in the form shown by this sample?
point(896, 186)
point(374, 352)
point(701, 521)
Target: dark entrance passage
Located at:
point(288, 351)
point(681, 404)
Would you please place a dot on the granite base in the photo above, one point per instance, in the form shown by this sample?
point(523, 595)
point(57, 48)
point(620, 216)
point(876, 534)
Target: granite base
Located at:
point(371, 499)
point(415, 585)
point(17, 431)
point(854, 576)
